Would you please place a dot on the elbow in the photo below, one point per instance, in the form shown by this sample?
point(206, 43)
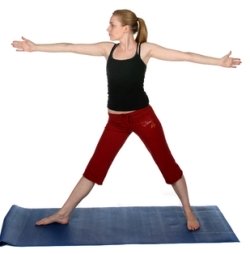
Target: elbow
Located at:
point(188, 56)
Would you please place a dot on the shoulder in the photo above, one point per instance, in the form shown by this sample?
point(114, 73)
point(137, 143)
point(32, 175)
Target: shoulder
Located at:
point(147, 48)
point(106, 47)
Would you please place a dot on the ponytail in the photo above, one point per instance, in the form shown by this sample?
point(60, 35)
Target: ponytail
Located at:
point(142, 33)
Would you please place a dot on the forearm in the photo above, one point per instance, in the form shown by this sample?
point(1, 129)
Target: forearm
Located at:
point(202, 59)
point(93, 49)
point(55, 47)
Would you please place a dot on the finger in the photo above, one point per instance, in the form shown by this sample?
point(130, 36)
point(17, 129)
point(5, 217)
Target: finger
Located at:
point(237, 60)
point(14, 44)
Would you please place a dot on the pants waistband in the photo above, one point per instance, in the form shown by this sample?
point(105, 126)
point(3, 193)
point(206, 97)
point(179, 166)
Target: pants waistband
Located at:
point(131, 114)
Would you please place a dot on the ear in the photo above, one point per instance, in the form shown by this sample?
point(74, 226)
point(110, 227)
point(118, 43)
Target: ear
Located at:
point(126, 28)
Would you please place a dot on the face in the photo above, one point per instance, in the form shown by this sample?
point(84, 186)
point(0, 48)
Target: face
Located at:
point(115, 28)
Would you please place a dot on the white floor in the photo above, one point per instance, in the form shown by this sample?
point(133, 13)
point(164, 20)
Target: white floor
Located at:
point(52, 111)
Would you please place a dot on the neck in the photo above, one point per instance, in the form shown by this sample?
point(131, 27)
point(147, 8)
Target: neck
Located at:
point(127, 43)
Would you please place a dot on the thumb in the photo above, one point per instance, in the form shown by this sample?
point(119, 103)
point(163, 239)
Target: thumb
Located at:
point(229, 53)
point(25, 39)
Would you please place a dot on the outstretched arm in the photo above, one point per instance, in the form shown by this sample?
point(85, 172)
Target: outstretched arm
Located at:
point(95, 49)
point(159, 52)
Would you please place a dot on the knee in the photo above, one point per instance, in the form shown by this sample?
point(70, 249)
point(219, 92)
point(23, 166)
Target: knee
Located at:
point(173, 178)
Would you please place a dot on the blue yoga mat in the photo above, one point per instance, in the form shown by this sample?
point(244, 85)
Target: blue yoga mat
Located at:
point(115, 225)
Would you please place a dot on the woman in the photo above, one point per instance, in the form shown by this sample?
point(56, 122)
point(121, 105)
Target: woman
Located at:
point(128, 105)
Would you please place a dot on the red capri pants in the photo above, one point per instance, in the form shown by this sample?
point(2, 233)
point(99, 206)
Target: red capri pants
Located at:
point(146, 125)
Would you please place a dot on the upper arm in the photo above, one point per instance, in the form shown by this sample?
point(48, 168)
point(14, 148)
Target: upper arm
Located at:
point(151, 50)
point(93, 49)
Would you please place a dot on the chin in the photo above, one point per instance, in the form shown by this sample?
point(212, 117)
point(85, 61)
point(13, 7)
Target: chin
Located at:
point(112, 38)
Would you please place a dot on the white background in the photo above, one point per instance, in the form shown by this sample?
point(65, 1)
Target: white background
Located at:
point(53, 110)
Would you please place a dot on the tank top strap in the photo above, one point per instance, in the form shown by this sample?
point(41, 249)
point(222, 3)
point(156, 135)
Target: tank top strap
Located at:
point(113, 48)
point(138, 49)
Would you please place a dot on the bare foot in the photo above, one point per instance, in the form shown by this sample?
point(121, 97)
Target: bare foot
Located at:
point(192, 222)
point(54, 218)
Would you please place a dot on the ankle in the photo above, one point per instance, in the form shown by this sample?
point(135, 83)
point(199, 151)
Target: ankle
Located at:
point(188, 211)
point(63, 213)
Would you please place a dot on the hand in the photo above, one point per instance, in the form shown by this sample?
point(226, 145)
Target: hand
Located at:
point(230, 62)
point(24, 45)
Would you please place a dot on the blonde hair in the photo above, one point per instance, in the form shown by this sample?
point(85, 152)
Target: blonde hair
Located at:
point(136, 24)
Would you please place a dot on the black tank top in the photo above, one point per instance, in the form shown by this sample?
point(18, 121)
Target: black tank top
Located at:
point(126, 82)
